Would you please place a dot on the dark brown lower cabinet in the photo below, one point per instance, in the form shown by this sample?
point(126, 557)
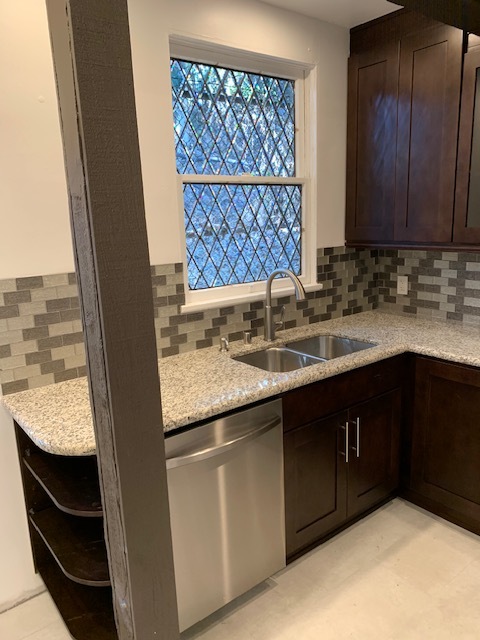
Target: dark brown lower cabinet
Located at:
point(374, 460)
point(341, 465)
point(315, 481)
point(62, 497)
point(445, 455)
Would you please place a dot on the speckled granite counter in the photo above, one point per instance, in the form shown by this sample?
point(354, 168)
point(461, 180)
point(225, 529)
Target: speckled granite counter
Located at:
point(205, 383)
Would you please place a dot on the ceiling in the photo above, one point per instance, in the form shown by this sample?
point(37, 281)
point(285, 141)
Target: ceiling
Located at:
point(346, 13)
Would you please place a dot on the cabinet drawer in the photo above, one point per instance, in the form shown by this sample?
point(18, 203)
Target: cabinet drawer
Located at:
point(325, 397)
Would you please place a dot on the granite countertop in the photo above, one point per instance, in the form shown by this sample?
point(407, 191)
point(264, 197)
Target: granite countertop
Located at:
point(201, 384)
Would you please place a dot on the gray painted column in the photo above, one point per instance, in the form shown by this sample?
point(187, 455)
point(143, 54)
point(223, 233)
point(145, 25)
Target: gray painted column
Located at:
point(92, 57)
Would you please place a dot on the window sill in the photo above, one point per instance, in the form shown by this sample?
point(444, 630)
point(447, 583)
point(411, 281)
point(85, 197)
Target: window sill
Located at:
point(219, 303)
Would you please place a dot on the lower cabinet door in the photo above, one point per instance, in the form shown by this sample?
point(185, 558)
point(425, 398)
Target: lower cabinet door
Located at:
point(374, 451)
point(446, 439)
point(315, 480)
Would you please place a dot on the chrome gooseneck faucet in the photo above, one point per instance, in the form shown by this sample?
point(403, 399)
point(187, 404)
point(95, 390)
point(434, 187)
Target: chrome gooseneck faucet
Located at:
point(270, 324)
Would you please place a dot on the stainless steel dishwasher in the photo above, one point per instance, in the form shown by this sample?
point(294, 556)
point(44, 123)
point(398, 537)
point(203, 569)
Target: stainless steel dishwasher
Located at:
point(225, 485)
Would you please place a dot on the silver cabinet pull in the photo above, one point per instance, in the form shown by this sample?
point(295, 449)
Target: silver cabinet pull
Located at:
point(358, 437)
point(345, 428)
point(356, 422)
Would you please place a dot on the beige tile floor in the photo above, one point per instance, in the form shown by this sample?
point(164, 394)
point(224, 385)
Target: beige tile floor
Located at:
point(399, 574)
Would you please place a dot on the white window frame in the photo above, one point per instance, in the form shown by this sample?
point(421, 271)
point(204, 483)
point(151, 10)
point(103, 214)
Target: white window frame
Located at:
point(304, 76)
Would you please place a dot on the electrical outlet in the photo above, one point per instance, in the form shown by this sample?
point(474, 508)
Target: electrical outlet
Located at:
point(402, 285)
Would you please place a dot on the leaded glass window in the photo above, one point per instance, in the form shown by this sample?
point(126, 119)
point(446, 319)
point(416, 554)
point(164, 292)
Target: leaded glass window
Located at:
point(228, 124)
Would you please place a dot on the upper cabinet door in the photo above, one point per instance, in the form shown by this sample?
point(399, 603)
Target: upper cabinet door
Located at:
point(371, 144)
point(428, 111)
point(467, 198)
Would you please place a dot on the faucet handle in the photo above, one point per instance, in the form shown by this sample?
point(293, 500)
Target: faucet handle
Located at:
point(224, 346)
point(247, 337)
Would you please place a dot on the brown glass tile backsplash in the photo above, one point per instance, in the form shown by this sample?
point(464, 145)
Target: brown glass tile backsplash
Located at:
point(41, 338)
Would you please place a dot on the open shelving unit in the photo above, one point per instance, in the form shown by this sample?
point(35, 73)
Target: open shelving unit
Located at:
point(65, 517)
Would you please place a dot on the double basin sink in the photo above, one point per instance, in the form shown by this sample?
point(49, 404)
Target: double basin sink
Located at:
point(303, 353)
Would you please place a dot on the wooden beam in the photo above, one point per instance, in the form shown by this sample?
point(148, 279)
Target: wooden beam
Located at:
point(464, 14)
point(92, 58)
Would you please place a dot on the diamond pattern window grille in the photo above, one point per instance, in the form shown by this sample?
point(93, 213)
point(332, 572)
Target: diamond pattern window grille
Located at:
point(241, 233)
point(231, 123)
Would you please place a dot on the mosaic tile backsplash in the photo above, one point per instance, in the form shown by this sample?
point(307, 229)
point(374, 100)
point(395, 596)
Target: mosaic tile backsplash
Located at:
point(41, 334)
point(346, 275)
point(442, 285)
point(41, 338)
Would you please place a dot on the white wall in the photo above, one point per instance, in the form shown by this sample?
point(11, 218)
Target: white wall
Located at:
point(34, 232)
point(34, 226)
point(17, 577)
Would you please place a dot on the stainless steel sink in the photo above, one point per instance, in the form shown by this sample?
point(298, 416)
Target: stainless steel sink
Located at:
point(303, 353)
point(328, 347)
point(277, 359)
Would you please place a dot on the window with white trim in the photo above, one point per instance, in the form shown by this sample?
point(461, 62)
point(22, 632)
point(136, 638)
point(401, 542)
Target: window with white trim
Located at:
point(240, 157)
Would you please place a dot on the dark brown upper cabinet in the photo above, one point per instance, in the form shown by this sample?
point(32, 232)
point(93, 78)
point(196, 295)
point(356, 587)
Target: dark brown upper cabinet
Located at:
point(467, 198)
point(405, 74)
point(428, 109)
point(372, 135)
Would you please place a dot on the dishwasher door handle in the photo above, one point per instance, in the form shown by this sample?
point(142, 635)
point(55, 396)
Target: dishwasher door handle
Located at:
point(218, 449)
